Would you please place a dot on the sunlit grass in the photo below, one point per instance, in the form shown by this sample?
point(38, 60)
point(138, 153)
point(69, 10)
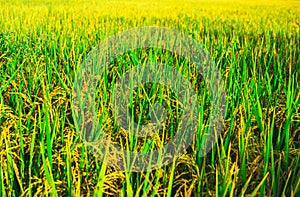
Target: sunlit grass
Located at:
point(254, 44)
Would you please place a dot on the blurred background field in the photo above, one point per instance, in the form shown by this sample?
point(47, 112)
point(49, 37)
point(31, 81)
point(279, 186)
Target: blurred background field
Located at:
point(255, 44)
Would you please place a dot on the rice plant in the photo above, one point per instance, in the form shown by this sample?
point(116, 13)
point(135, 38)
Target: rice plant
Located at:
point(254, 44)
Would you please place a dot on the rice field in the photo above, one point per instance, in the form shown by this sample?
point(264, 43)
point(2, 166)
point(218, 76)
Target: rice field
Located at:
point(255, 46)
